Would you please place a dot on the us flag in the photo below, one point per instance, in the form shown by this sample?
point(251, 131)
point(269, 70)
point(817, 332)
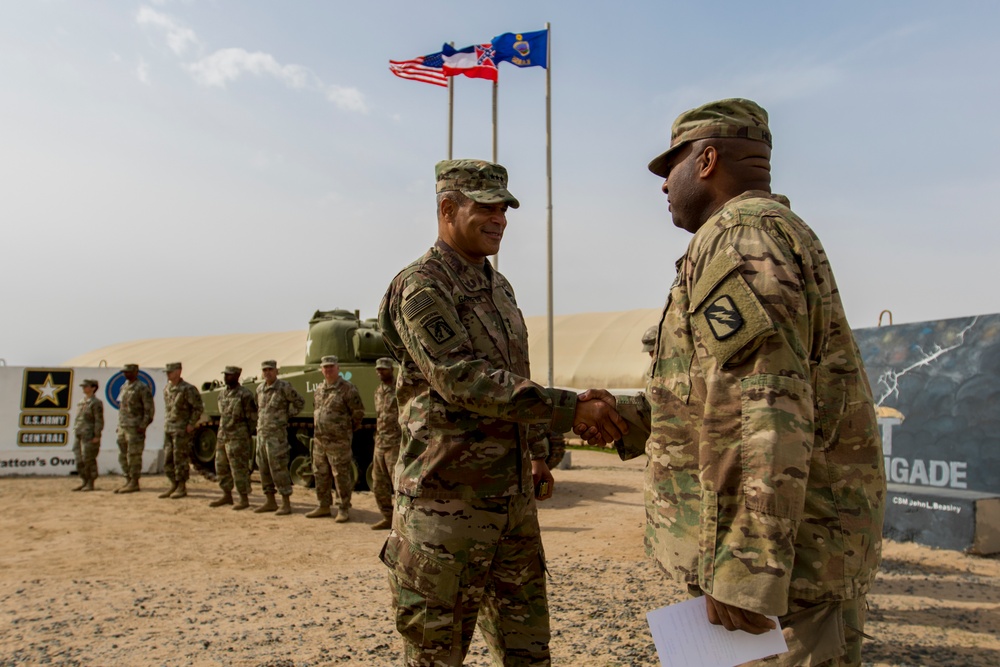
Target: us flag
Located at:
point(428, 69)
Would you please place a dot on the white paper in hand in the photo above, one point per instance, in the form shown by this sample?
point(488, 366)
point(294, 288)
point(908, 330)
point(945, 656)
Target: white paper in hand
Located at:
point(684, 638)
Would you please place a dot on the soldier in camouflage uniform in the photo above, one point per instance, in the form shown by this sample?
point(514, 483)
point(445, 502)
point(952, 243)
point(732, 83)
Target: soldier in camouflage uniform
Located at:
point(337, 414)
point(87, 428)
point(183, 410)
point(649, 340)
point(277, 402)
point(135, 414)
point(465, 535)
point(765, 486)
point(387, 434)
point(234, 447)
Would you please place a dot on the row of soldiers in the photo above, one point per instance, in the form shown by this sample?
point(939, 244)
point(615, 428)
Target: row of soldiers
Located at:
point(338, 412)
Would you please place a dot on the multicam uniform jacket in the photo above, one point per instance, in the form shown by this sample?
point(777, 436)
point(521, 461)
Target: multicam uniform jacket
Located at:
point(387, 431)
point(337, 411)
point(184, 406)
point(135, 403)
point(765, 481)
point(465, 400)
point(276, 405)
point(237, 413)
point(89, 420)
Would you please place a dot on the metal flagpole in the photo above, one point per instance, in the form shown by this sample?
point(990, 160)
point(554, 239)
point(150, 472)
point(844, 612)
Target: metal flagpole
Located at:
point(451, 111)
point(496, 257)
point(548, 169)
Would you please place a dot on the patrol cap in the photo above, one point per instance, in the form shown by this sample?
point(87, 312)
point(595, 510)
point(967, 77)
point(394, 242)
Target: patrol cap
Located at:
point(383, 362)
point(649, 339)
point(732, 118)
point(330, 360)
point(173, 366)
point(270, 363)
point(89, 383)
point(233, 370)
point(130, 368)
point(479, 180)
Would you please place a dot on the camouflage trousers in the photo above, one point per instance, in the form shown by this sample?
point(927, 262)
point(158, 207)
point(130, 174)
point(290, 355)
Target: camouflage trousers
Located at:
point(453, 562)
point(86, 453)
point(331, 462)
point(272, 460)
point(827, 634)
point(382, 468)
point(177, 455)
point(232, 462)
point(131, 442)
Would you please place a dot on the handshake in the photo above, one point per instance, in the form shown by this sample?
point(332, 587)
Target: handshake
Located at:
point(596, 419)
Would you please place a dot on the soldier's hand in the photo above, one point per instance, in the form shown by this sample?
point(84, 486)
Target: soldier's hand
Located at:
point(540, 474)
point(95, 440)
point(734, 618)
point(189, 429)
point(596, 419)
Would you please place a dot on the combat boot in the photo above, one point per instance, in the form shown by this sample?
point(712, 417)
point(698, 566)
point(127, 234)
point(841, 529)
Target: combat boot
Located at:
point(286, 505)
point(343, 515)
point(226, 499)
point(268, 506)
point(244, 502)
point(384, 524)
point(83, 485)
point(89, 486)
point(131, 487)
point(166, 494)
point(122, 487)
point(322, 510)
point(181, 491)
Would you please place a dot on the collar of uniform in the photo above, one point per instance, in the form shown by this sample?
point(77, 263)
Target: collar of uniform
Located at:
point(472, 277)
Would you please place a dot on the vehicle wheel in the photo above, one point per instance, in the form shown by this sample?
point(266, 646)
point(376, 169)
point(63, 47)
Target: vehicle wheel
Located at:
point(301, 471)
point(370, 475)
point(354, 473)
point(203, 447)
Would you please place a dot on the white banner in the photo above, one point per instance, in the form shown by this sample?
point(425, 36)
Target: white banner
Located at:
point(38, 408)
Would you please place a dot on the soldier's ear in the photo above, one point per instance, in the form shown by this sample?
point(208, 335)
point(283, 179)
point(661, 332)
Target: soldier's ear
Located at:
point(446, 209)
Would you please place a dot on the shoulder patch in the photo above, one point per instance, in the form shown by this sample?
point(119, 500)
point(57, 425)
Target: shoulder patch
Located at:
point(723, 317)
point(432, 321)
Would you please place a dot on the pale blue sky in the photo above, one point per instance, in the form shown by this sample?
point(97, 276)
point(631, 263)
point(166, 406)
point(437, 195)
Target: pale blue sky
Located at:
point(218, 166)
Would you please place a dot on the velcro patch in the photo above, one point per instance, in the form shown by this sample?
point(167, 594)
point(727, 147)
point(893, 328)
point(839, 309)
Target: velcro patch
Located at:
point(432, 321)
point(723, 317)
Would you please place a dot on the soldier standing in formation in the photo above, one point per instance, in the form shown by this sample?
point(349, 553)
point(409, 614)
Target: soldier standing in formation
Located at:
point(387, 435)
point(277, 402)
point(87, 428)
point(465, 531)
point(649, 340)
point(184, 408)
point(766, 480)
point(135, 414)
point(337, 414)
point(234, 447)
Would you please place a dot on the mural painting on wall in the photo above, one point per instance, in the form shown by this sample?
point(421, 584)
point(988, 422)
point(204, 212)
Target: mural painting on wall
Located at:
point(937, 391)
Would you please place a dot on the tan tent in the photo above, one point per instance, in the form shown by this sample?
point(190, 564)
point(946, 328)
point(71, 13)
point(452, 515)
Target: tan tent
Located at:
point(591, 350)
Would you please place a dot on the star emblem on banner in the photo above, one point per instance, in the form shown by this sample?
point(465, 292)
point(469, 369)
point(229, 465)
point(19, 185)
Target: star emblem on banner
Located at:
point(48, 391)
point(485, 55)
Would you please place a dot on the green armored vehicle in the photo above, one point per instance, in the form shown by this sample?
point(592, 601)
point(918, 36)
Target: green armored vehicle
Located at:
point(358, 344)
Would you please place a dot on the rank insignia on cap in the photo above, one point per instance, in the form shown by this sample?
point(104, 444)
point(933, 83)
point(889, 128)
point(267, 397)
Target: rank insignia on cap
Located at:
point(439, 330)
point(723, 317)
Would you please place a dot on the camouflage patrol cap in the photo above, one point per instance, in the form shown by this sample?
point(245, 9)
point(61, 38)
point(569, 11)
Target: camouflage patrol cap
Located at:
point(89, 383)
point(383, 362)
point(329, 360)
point(479, 180)
point(173, 366)
point(232, 370)
point(270, 363)
point(649, 339)
point(130, 368)
point(735, 118)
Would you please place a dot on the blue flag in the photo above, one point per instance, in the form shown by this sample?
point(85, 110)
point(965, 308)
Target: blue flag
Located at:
point(524, 49)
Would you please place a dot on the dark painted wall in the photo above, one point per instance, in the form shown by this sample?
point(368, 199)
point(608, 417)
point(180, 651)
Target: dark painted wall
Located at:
point(943, 377)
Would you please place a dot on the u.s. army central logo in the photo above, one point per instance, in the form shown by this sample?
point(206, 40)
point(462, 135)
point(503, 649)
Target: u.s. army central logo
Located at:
point(439, 329)
point(723, 317)
point(46, 389)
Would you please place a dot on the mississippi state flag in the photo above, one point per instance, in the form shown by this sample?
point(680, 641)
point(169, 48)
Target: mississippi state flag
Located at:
point(476, 62)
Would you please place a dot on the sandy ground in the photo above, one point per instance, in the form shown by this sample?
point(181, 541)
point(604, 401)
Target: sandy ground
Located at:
point(105, 579)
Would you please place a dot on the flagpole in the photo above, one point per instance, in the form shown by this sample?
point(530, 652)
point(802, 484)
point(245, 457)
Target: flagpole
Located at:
point(548, 169)
point(496, 257)
point(451, 111)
